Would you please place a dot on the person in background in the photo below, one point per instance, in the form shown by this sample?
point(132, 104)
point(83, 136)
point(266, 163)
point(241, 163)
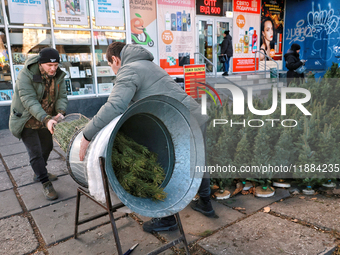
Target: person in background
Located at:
point(227, 49)
point(293, 62)
point(267, 30)
point(39, 101)
point(138, 77)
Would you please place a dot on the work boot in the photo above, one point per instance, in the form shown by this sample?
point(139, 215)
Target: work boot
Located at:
point(51, 177)
point(203, 205)
point(49, 191)
point(225, 74)
point(160, 224)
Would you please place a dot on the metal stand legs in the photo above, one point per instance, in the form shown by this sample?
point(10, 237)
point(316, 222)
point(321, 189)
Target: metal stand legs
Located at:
point(110, 209)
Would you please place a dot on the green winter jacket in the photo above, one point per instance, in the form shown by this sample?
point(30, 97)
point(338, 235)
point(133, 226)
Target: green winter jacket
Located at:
point(138, 78)
point(28, 93)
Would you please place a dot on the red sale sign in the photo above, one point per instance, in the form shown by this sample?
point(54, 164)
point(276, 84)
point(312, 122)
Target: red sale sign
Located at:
point(248, 6)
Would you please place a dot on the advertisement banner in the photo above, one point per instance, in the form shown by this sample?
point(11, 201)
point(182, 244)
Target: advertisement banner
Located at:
point(272, 13)
point(143, 16)
point(193, 76)
point(71, 12)
point(247, 6)
point(109, 13)
point(176, 29)
point(32, 12)
point(245, 40)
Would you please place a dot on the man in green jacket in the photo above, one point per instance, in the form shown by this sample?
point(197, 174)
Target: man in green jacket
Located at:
point(138, 77)
point(39, 100)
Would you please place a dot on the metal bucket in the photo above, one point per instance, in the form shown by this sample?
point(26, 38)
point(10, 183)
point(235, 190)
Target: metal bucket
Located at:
point(164, 126)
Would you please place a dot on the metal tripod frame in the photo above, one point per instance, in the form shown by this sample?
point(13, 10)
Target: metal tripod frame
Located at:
point(110, 209)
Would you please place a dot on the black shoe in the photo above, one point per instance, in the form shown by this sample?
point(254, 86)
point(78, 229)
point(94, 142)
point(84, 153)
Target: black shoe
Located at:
point(51, 177)
point(225, 74)
point(204, 206)
point(160, 224)
point(49, 192)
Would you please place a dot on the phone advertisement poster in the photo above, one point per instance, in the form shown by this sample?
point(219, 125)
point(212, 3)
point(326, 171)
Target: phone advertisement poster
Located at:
point(246, 24)
point(71, 12)
point(144, 25)
point(176, 29)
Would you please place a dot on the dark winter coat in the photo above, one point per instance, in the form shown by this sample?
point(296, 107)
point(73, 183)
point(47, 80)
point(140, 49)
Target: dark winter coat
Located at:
point(28, 93)
point(137, 78)
point(227, 46)
point(293, 62)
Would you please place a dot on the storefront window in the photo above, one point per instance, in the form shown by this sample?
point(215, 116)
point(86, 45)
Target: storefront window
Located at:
point(108, 14)
point(26, 42)
point(6, 88)
point(70, 13)
point(76, 60)
point(105, 75)
point(32, 14)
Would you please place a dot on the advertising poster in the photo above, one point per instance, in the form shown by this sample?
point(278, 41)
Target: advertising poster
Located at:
point(176, 29)
point(316, 28)
point(109, 13)
point(70, 12)
point(272, 14)
point(143, 16)
point(246, 24)
point(21, 12)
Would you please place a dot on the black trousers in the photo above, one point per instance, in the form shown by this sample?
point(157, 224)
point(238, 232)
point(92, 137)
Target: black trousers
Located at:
point(39, 145)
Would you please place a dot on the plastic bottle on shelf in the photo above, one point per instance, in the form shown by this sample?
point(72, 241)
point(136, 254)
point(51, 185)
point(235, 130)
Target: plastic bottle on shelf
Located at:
point(254, 42)
point(246, 43)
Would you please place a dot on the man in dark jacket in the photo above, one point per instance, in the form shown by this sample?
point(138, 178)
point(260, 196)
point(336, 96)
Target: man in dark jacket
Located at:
point(227, 49)
point(293, 62)
point(39, 94)
point(138, 77)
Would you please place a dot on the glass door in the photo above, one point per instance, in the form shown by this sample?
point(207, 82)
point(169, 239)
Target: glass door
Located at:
point(221, 26)
point(209, 39)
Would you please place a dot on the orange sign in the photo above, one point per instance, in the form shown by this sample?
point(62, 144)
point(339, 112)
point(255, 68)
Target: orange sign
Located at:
point(167, 37)
point(248, 6)
point(240, 21)
point(193, 74)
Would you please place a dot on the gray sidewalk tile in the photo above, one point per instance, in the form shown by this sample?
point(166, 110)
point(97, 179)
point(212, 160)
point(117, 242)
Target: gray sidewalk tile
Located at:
point(9, 204)
point(57, 148)
point(11, 149)
point(101, 241)
point(7, 138)
point(17, 236)
point(22, 159)
point(253, 204)
point(5, 182)
point(262, 233)
point(196, 224)
point(321, 212)
point(56, 222)
point(24, 175)
point(34, 198)
point(2, 167)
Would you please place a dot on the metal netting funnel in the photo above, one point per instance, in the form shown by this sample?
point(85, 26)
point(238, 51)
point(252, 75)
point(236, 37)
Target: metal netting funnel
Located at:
point(164, 126)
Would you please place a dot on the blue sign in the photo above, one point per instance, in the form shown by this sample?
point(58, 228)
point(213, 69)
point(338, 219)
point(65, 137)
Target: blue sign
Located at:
point(315, 26)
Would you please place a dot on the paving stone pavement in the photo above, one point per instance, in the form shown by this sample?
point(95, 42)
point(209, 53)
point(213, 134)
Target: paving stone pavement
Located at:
point(246, 231)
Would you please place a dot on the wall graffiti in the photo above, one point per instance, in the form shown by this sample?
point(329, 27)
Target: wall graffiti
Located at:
point(316, 27)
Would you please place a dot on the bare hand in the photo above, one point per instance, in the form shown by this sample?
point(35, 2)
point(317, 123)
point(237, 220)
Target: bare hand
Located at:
point(59, 117)
point(50, 125)
point(83, 147)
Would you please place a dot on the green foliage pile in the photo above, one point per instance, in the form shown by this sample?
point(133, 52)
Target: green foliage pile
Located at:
point(136, 168)
point(64, 131)
point(315, 140)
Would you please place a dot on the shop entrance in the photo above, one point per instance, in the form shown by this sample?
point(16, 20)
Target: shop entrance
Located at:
point(209, 37)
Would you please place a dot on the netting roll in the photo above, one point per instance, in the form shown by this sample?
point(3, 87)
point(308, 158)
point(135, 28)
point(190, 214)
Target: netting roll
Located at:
point(66, 132)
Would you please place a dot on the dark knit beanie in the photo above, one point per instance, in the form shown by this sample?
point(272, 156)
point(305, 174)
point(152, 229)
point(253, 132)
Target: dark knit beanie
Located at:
point(48, 55)
point(295, 47)
point(226, 32)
